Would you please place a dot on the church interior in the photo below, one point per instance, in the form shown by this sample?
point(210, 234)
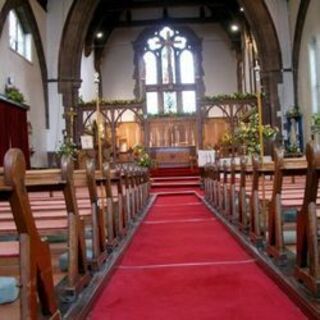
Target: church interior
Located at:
point(159, 159)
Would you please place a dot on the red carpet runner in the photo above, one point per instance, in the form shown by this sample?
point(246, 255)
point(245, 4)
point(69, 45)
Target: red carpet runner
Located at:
point(183, 264)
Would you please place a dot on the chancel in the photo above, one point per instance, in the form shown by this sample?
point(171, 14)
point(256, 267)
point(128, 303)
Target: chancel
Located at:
point(159, 159)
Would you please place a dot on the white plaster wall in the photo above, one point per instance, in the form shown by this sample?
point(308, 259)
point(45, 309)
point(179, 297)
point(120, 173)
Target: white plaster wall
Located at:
point(56, 16)
point(88, 90)
point(219, 62)
point(311, 29)
point(27, 77)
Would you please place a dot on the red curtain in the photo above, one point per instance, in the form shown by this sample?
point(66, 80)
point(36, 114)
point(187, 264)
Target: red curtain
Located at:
point(13, 130)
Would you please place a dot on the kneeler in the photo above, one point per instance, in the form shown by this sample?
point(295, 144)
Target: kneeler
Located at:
point(36, 275)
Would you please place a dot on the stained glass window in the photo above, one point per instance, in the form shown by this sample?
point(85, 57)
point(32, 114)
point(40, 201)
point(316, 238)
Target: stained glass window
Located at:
point(169, 71)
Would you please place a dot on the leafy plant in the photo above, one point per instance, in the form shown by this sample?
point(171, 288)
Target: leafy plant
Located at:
point(293, 112)
point(14, 94)
point(248, 134)
point(141, 156)
point(292, 149)
point(315, 128)
point(67, 148)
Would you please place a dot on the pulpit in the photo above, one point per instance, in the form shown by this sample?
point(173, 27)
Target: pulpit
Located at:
point(13, 128)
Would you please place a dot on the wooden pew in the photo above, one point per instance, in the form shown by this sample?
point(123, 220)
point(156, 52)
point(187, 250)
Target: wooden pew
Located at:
point(307, 267)
point(259, 198)
point(36, 276)
point(87, 179)
point(63, 180)
point(282, 168)
point(242, 195)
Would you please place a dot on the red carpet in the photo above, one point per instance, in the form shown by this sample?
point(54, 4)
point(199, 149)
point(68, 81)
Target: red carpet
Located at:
point(174, 172)
point(183, 264)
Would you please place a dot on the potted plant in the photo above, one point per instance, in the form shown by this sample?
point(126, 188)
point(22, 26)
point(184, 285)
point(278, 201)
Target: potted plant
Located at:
point(67, 148)
point(293, 112)
point(14, 94)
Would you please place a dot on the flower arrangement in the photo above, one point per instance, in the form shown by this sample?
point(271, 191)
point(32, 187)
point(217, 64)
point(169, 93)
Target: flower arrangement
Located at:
point(141, 156)
point(293, 112)
point(14, 94)
point(247, 134)
point(67, 148)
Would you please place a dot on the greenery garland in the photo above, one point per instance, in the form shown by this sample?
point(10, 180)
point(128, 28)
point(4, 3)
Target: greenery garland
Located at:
point(117, 102)
point(171, 114)
point(235, 97)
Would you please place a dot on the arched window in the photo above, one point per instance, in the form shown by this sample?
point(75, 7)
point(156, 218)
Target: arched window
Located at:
point(169, 72)
point(19, 39)
point(314, 56)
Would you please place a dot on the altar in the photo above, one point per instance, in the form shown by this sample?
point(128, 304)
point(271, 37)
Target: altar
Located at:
point(173, 141)
point(173, 157)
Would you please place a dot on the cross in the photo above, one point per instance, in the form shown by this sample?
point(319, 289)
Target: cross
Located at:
point(71, 114)
point(168, 43)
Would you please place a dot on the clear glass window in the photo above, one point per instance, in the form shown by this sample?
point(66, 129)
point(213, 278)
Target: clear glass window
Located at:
point(152, 102)
point(150, 68)
point(189, 101)
point(187, 67)
point(19, 40)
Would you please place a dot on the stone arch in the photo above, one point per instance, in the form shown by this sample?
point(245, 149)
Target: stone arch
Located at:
point(267, 40)
point(25, 7)
point(260, 20)
point(301, 18)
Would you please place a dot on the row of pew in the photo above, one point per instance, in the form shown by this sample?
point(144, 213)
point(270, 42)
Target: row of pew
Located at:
point(60, 226)
point(275, 203)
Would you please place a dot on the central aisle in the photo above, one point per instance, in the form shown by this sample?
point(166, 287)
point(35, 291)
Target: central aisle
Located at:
point(183, 264)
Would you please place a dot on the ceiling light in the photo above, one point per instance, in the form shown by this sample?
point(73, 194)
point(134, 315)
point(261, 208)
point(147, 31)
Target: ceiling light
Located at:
point(99, 35)
point(241, 9)
point(234, 28)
